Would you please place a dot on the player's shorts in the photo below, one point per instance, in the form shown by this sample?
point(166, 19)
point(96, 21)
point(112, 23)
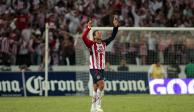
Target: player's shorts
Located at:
point(97, 75)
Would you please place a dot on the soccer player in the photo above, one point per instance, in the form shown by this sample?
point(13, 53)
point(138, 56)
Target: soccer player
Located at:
point(96, 49)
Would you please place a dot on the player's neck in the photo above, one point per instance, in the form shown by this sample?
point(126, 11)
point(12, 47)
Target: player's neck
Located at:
point(98, 41)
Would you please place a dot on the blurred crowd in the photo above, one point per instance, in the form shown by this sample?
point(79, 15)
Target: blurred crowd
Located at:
point(22, 27)
point(144, 48)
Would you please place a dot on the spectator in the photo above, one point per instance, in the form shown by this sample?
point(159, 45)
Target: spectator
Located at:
point(138, 17)
point(23, 57)
point(68, 51)
point(143, 50)
point(189, 69)
point(161, 48)
point(152, 54)
point(173, 70)
point(189, 48)
point(108, 67)
point(123, 66)
point(156, 71)
point(74, 21)
point(132, 50)
point(5, 49)
point(14, 47)
point(35, 48)
point(26, 33)
point(179, 48)
point(170, 49)
point(21, 21)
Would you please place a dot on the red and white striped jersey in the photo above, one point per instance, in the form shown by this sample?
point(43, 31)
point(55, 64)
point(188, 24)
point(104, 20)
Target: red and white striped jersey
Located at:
point(97, 56)
point(5, 45)
point(97, 51)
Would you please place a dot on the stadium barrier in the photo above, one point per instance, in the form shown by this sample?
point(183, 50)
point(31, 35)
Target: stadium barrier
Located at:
point(126, 82)
point(77, 83)
point(69, 83)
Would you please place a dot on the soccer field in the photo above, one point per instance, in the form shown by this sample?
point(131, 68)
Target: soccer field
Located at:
point(125, 103)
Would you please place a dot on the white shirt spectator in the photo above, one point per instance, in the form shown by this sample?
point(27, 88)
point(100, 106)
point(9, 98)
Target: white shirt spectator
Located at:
point(155, 5)
point(26, 34)
point(137, 18)
point(151, 43)
point(74, 22)
point(23, 47)
point(170, 11)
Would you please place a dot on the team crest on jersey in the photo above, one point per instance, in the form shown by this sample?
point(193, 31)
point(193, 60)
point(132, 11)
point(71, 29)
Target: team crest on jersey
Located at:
point(100, 49)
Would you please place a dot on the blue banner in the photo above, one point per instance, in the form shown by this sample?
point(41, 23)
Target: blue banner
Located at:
point(126, 82)
point(69, 83)
point(11, 84)
point(59, 83)
point(33, 84)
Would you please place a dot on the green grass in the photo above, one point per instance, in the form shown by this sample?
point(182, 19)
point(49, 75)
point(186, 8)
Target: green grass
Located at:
point(125, 103)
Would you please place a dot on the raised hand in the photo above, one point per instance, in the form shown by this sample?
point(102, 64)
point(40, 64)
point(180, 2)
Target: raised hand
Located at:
point(90, 23)
point(115, 22)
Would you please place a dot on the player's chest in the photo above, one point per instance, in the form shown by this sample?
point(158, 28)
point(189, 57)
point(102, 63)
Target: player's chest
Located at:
point(99, 48)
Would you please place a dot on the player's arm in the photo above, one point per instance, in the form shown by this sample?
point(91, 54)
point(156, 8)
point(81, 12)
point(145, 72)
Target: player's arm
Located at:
point(85, 34)
point(114, 32)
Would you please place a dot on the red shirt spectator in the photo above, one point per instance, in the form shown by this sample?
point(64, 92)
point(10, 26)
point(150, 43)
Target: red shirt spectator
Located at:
point(22, 22)
point(52, 43)
point(118, 4)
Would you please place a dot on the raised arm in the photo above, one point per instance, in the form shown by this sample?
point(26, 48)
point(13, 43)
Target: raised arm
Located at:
point(114, 32)
point(113, 35)
point(85, 34)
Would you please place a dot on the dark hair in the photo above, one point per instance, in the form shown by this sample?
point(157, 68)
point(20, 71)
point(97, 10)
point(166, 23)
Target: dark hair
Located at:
point(94, 33)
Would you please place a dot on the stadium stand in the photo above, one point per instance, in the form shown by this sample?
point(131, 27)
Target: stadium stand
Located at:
point(22, 24)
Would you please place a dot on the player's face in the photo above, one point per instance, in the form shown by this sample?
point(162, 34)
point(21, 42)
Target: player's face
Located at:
point(98, 35)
